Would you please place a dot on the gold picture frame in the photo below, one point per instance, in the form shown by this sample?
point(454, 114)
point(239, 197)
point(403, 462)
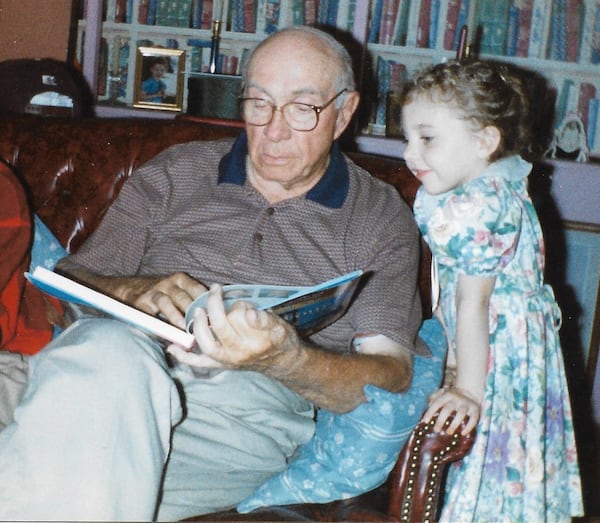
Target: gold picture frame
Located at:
point(159, 78)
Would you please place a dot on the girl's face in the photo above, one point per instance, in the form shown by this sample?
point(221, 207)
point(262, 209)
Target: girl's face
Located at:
point(158, 70)
point(442, 149)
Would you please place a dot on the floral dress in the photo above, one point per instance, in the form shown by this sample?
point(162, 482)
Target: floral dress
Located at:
point(523, 466)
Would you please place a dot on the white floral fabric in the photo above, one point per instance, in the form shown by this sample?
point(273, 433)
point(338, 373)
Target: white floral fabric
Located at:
point(523, 466)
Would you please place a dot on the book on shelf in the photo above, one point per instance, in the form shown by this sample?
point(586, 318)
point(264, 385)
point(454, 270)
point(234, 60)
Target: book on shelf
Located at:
point(143, 7)
point(375, 17)
point(310, 11)
point(308, 308)
point(184, 13)
point(587, 91)
point(593, 128)
point(557, 45)
point(152, 6)
point(271, 20)
point(296, 12)
point(595, 37)
point(424, 24)
point(524, 33)
point(451, 25)
point(541, 15)
point(512, 31)
point(412, 23)
point(492, 17)
point(389, 15)
point(574, 29)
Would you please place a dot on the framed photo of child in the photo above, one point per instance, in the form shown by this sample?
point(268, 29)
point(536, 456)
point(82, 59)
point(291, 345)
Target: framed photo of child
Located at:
point(159, 78)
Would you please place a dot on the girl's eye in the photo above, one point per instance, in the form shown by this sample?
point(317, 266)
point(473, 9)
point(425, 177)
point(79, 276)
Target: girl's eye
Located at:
point(427, 139)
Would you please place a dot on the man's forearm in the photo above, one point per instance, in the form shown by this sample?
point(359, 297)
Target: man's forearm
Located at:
point(335, 381)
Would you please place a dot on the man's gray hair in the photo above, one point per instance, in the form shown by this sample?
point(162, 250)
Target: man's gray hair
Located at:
point(345, 80)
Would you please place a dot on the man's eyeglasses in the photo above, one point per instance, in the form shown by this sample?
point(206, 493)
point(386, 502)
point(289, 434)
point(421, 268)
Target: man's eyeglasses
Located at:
point(299, 116)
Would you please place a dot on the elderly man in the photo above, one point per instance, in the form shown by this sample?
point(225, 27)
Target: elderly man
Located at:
point(111, 428)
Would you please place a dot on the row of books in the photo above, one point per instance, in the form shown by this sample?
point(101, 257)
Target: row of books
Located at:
point(562, 30)
point(263, 16)
point(581, 98)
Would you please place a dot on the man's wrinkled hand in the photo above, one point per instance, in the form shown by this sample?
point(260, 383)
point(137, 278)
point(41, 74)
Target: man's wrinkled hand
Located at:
point(168, 296)
point(241, 338)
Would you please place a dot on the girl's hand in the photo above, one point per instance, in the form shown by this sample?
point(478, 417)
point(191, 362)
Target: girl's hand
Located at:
point(451, 400)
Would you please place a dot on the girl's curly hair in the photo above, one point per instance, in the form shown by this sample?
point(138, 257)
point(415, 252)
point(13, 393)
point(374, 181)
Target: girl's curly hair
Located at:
point(485, 93)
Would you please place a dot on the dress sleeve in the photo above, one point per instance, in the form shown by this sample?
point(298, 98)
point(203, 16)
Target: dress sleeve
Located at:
point(476, 228)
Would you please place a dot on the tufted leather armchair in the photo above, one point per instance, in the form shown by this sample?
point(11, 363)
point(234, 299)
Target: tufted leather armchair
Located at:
point(74, 168)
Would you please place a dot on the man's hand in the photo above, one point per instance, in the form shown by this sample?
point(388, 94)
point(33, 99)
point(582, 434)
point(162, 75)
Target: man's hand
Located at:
point(241, 338)
point(168, 296)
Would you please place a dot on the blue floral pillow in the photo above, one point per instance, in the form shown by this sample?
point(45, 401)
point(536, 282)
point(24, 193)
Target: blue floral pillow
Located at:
point(354, 452)
point(46, 249)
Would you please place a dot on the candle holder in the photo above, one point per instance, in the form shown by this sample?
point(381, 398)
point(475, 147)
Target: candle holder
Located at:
point(214, 47)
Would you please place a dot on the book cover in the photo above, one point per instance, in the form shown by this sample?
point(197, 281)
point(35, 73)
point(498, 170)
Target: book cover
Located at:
point(249, 16)
point(492, 16)
point(595, 39)
point(152, 7)
point(540, 27)
point(102, 67)
point(424, 24)
point(297, 8)
point(593, 130)
point(184, 13)
point(574, 29)
point(207, 14)
point(438, 13)
point(557, 48)
point(451, 24)
point(332, 10)
point(196, 15)
point(308, 308)
point(143, 11)
point(311, 8)
point(120, 15)
point(587, 91)
point(271, 16)
point(412, 23)
point(375, 20)
point(388, 19)
point(322, 11)
point(524, 34)
point(401, 24)
point(512, 33)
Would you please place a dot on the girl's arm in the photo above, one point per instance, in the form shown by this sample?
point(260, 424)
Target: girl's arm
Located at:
point(472, 348)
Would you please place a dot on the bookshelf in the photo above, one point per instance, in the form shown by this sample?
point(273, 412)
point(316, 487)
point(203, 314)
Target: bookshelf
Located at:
point(557, 39)
point(411, 33)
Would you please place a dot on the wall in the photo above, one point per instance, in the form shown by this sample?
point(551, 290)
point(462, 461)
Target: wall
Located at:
point(35, 28)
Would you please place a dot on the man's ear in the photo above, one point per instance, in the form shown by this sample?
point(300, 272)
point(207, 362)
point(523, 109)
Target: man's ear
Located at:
point(489, 141)
point(345, 112)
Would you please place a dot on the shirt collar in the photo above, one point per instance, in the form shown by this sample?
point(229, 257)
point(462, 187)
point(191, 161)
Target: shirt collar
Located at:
point(330, 191)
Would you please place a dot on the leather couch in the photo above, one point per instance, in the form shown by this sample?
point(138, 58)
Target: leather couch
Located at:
point(74, 168)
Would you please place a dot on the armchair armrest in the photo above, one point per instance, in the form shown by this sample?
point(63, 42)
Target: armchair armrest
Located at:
point(416, 480)
point(411, 493)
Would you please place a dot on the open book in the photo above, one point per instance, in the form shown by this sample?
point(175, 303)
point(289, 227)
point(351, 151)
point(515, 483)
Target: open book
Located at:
point(309, 309)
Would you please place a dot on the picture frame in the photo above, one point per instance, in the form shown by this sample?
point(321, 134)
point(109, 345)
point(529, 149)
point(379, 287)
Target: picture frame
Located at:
point(159, 78)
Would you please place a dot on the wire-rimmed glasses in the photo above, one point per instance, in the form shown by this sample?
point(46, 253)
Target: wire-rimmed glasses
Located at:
point(299, 116)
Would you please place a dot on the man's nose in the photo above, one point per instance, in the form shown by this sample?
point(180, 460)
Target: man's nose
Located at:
point(278, 128)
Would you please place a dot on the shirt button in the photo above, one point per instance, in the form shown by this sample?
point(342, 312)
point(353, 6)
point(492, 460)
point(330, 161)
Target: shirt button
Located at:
point(258, 237)
point(270, 211)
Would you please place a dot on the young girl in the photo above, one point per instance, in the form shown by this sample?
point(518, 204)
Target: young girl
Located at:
point(466, 126)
